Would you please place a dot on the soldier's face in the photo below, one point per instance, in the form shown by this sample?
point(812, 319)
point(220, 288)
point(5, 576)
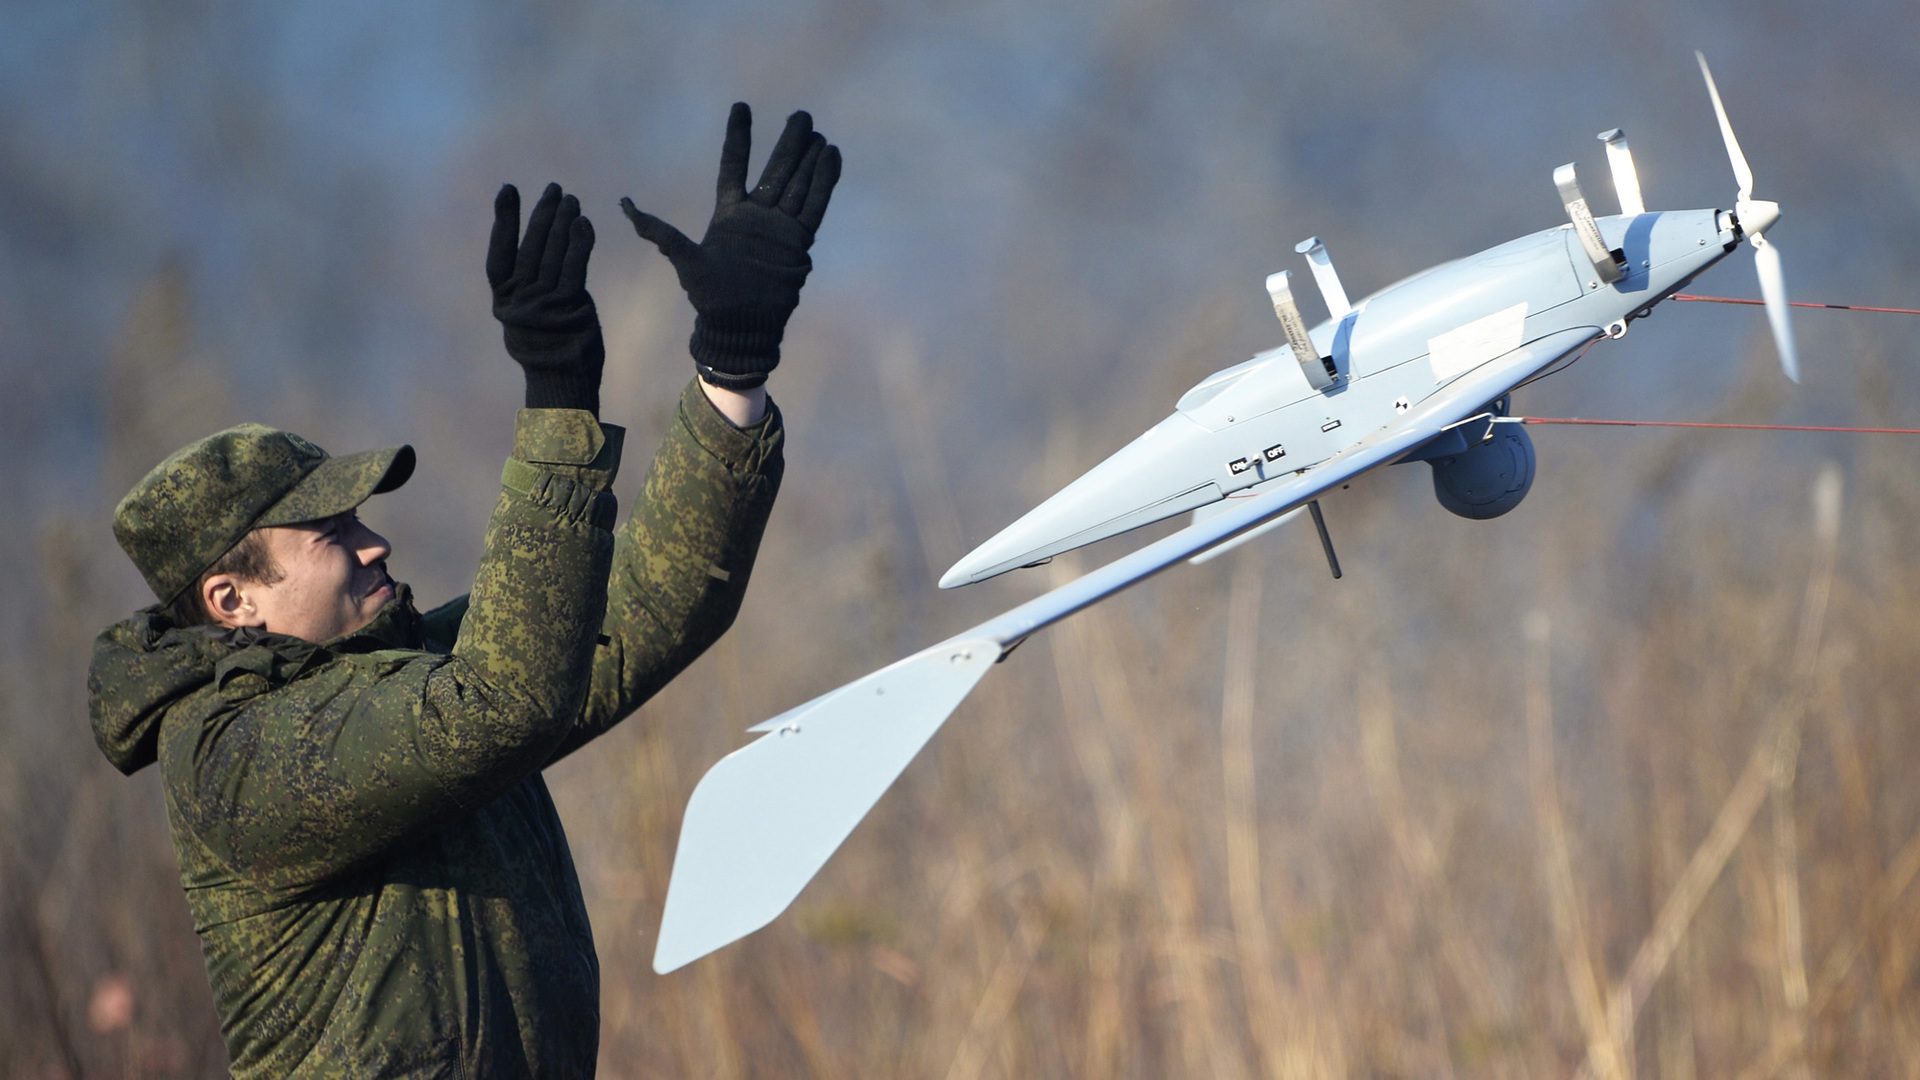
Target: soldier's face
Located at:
point(333, 579)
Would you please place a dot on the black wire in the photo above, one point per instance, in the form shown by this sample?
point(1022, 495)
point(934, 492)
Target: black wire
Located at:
point(1557, 368)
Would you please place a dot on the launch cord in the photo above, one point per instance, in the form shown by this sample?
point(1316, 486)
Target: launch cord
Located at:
point(1701, 424)
point(1794, 303)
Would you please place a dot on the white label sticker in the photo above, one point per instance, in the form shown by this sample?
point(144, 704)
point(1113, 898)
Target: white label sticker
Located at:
point(1467, 347)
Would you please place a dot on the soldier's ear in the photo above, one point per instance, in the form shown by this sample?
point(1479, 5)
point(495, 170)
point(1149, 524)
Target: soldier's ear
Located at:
point(228, 603)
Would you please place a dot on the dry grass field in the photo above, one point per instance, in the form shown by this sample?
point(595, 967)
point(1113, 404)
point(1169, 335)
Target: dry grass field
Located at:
point(1612, 787)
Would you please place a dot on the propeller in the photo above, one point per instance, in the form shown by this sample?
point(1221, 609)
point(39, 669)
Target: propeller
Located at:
point(1756, 216)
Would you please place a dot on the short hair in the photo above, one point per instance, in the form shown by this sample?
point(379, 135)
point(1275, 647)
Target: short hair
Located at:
point(249, 561)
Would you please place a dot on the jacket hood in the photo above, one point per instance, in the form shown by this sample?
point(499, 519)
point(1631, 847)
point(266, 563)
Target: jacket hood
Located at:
point(144, 666)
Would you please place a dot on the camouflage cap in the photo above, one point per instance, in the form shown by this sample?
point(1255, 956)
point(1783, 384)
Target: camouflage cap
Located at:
point(205, 497)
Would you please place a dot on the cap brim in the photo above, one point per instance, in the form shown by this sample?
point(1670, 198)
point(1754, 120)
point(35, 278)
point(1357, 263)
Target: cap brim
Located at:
point(339, 484)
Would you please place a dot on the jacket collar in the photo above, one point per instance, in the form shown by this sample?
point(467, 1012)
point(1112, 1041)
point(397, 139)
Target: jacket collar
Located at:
point(145, 665)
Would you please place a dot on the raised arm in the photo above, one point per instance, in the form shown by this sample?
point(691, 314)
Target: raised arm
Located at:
point(686, 552)
point(540, 596)
point(684, 556)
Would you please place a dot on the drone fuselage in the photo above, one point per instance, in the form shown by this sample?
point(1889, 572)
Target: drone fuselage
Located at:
point(1507, 312)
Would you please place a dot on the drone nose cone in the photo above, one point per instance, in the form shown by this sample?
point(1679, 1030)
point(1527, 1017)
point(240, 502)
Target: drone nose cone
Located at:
point(994, 557)
point(1756, 215)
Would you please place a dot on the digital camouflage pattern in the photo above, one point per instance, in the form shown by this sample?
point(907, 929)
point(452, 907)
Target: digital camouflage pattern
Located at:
point(194, 506)
point(379, 879)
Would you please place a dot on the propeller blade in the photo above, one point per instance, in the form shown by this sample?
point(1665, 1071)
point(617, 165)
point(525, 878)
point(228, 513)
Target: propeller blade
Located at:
point(1773, 289)
point(1741, 173)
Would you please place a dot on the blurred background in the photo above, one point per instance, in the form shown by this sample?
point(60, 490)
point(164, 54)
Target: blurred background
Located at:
point(1619, 783)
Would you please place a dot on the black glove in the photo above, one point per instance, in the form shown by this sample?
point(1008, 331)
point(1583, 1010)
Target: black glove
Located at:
point(744, 276)
point(540, 297)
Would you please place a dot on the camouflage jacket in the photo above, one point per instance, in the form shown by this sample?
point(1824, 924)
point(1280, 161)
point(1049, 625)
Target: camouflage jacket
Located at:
point(375, 868)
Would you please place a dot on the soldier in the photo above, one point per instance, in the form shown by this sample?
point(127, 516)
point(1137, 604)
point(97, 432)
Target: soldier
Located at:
point(376, 871)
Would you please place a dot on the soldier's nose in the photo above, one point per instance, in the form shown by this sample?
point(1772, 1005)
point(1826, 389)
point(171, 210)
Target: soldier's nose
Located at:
point(371, 546)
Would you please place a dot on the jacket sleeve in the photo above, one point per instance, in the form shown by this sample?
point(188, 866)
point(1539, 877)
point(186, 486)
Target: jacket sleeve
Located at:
point(681, 563)
point(339, 764)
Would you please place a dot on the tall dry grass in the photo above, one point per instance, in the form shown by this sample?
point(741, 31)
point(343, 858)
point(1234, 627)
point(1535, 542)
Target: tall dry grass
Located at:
point(1247, 823)
point(1068, 886)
